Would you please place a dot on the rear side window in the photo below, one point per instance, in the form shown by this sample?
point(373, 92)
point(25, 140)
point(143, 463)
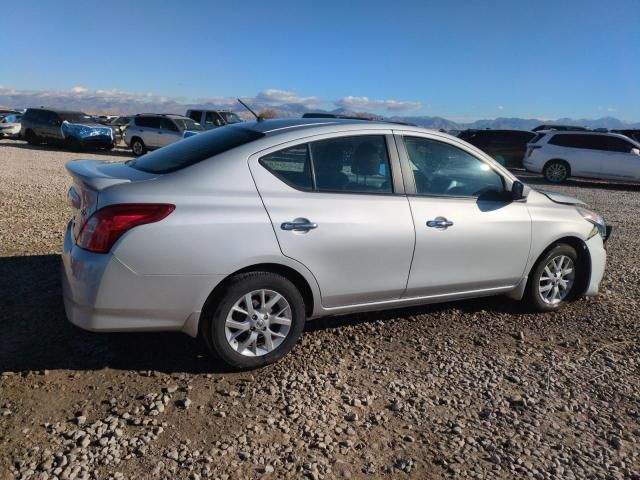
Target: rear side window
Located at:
point(195, 115)
point(167, 124)
point(194, 149)
point(357, 164)
point(291, 165)
point(590, 142)
point(148, 122)
point(619, 145)
point(537, 138)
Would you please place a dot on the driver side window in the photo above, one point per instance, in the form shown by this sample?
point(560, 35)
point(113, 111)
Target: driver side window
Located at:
point(444, 170)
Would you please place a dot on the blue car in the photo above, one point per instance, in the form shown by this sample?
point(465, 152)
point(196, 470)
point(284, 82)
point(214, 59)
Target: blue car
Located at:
point(74, 130)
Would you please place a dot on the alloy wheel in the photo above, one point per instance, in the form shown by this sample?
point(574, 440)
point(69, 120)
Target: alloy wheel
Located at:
point(556, 172)
point(258, 322)
point(138, 148)
point(556, 280)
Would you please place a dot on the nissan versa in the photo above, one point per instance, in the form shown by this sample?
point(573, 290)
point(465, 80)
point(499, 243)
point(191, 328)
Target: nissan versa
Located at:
point(241, 233)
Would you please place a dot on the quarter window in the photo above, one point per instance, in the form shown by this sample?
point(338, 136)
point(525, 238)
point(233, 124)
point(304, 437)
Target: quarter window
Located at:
point(444, 170)
point(619, 145)
point(291, 165)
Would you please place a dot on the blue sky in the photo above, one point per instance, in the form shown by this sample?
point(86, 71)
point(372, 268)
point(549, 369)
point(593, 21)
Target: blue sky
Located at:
point(459, 59)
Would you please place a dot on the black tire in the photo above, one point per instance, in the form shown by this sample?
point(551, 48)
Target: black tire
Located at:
point(73, 144)
point(138, 147)
point(213, 323)
point(556, 171)
point(533, 295)
point(31, 138)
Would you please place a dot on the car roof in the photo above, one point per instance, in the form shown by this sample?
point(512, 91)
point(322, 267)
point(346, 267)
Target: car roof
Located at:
point(169, 115)
point(63, 112)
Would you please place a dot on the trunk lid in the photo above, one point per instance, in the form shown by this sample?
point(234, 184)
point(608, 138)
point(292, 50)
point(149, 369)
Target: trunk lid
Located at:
point(90, 177)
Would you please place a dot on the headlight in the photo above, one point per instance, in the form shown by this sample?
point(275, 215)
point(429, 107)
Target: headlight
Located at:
point(596, 220)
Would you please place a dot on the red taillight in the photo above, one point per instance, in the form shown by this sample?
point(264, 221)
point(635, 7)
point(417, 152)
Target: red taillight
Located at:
point(108, 224)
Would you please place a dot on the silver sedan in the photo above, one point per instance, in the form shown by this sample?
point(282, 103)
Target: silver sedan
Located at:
point(242, 233)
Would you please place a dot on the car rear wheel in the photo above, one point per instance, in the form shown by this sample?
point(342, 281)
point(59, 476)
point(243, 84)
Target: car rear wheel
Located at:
point(73, 144)
point(256, 321)
point(556, 171)
point(138, 147)
point(554, 279)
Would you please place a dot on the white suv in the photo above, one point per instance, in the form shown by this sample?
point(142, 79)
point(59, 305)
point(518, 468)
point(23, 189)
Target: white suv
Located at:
point(559, 155)
point(154, 130)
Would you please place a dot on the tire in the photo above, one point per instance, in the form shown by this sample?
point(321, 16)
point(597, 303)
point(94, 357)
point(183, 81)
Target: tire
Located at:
point(556, 171)
point(138, 147)
point(73, 144)
point(538, 287)
point(31, 138)
point(228, 326)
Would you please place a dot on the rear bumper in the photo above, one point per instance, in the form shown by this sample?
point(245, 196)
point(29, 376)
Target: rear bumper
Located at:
point(102, 294)
point(598, 254)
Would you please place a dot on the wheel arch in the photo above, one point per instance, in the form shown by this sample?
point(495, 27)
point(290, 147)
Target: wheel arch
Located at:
point(298, 279)
point(584, 257)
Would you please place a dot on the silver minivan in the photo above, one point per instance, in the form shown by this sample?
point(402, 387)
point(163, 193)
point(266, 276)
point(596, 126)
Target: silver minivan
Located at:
point(241, 233)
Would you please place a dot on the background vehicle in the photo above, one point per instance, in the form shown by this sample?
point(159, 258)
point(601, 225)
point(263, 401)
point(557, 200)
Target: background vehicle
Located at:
point(632, 133)
point(248, 230)
point(149, 131)
point(213, 118)
point(506, 146)
point(559, 128)
point(10, 125)
point(560, 155)
point(74, 130)
point(119, 125)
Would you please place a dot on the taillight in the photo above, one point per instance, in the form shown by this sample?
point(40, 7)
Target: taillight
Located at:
point(108, 224)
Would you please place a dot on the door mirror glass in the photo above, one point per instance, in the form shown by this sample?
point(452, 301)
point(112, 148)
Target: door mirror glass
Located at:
point(635, 151)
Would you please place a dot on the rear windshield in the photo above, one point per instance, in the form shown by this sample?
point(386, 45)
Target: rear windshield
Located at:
point(76, 117)
point(194, 149)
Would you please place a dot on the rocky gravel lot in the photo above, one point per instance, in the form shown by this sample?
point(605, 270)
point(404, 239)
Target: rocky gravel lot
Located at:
point(475, 389)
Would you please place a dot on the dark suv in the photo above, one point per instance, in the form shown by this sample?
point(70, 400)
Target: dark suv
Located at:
point(506, 146)
point(74, 130)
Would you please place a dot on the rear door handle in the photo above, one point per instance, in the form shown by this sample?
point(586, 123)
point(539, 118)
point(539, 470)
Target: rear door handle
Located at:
point(299, 226)
point(440, 222)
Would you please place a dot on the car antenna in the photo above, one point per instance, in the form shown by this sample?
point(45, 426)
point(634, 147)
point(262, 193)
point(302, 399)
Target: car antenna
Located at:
point(258, 117)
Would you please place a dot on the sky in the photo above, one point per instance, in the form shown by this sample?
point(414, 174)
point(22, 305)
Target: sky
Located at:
point(463, 60)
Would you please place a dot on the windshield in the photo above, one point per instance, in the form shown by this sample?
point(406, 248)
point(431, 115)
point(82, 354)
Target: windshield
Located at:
point(230, 117)
point(187, 124)
point(76, 117)
point(194, 149)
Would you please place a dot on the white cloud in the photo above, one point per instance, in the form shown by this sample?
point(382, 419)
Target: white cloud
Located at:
point(79, 89)
point(275, 96)
point(612, 109)
point(500, 107)
point(367, 104)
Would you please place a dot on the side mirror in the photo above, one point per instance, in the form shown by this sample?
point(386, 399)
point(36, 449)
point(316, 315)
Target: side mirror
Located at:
point(635, 151)
point(517, 190)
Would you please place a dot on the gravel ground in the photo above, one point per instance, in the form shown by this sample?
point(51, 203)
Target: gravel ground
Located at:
point(475, 389)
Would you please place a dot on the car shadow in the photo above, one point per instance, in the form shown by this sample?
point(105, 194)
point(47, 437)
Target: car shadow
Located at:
point(36, 336)
point(116, 152)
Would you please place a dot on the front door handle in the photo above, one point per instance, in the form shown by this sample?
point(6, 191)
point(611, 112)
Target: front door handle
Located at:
point(299, 225)
point(440, 223)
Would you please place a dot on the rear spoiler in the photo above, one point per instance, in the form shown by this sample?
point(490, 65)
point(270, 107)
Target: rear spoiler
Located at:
point(100, 175)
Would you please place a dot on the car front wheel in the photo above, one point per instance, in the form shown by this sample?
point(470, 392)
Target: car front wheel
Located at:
point(257, 320)
point(553, 280)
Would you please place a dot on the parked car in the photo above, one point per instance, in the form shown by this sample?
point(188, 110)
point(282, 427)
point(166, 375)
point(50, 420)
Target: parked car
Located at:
point(240, 234)
point(506, 146)
point(10, 125)
point(632, 133)
point(560, 128)
point(74, 130)
point(560, 155)
point(149, 131)
point(213, 118)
